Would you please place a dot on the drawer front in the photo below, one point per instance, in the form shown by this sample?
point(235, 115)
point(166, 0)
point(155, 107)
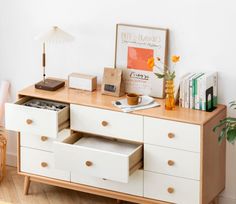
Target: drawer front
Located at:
point(41, 163)
point(172, 162)
point(172, 134)
point(105, 122)
point(34, 120)
point(133, 187)
point(40, 142)
point(111, 165)
point(171, 189)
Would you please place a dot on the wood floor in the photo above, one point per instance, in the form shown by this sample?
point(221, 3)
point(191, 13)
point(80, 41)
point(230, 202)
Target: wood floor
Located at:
point(11, 190)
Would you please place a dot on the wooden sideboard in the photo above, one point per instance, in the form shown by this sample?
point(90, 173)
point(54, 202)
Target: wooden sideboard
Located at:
point(147, 156)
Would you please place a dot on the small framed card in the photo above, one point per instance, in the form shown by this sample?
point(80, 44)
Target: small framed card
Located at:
point(112, 83)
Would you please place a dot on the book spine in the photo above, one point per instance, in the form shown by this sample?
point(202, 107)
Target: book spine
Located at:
point(197, 95)
point(196, 91)
point(191, 87)
point(204, 93)
point(200, 92)
point(188, 94)
point(215, 88)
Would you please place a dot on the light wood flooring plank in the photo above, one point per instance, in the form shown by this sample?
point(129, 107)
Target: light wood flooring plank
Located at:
point(11, 190)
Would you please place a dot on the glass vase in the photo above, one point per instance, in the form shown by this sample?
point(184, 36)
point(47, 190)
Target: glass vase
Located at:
point(170, 98)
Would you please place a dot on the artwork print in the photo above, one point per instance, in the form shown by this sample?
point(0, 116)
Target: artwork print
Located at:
point(134, 46)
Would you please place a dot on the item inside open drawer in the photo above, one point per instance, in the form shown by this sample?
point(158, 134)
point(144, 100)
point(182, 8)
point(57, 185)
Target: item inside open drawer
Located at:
point(37, 116)
point(97, 156)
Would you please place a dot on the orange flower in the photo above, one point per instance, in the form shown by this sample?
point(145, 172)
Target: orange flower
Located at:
point(175, 58)
point(151, 62)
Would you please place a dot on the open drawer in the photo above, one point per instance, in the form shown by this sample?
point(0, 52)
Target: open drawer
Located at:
point(98, 156)
point(37, 116)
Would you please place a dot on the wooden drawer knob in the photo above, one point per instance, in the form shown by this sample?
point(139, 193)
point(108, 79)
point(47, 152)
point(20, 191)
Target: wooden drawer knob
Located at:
point(44, 164)
point(171, 162)
point(170, 190)
point(104, 123)
point(29, 121)
point(89, 163)
point(171, 135)
point(44, 138)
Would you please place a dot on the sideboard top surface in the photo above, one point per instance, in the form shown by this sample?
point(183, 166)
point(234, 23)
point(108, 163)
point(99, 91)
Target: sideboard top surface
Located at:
point(96, 99)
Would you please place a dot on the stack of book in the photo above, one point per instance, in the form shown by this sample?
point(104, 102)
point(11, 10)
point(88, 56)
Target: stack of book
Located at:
point(199, 91)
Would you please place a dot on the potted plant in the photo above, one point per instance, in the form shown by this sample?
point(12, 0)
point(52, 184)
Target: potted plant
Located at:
point(227, 127)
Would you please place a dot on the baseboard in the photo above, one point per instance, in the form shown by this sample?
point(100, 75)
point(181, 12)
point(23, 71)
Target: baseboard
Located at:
point(11, 159)
point(224, 200)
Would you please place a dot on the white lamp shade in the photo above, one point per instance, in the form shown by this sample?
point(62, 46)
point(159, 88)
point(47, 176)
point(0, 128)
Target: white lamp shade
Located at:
point(55, 35)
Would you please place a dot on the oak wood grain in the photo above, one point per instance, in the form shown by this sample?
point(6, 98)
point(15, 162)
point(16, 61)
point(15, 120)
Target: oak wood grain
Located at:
point(96, 99)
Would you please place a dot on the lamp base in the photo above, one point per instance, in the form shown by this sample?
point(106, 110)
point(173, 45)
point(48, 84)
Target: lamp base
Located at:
point(49, 85)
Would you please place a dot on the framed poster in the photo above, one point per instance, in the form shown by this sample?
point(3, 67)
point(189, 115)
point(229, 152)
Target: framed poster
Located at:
point(134, 46)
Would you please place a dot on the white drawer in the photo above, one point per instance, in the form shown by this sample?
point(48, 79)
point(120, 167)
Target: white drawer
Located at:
point(133, 187)
point(37, 121)
point(171, 189)
point(41, 142)
point(105, 122)
point(172, 134)
point(99, 157)
point(172, 162)
point(41, 163)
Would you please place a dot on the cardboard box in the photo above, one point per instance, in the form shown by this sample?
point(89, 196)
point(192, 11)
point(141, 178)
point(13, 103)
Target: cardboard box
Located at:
point(82, 81)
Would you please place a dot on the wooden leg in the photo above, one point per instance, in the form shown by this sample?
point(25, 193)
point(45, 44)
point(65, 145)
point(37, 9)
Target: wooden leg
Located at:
point(118, 201)
point(26, 185)
point(215, 201)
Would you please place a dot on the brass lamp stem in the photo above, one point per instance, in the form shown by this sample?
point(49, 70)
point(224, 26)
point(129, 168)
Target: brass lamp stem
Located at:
point(44, 62)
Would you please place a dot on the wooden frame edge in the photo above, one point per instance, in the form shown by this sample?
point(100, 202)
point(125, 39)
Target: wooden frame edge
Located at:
point(202, 154)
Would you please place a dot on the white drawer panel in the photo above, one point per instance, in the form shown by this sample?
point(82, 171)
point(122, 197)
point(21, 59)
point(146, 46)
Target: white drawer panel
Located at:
point(172, 162)
point(35, 120)
point(41, 142)
point(185, 191)
point(99, 157)
point(105, 122)
point(133, 187)
point(172, 134)
point(41, 163)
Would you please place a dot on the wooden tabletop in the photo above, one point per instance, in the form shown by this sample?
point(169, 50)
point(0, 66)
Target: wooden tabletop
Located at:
point(96, 99)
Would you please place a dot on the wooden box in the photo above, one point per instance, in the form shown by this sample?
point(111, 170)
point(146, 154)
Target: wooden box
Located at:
point(82, 81)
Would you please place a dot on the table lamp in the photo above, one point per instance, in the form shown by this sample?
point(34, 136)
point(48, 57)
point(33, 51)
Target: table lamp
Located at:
point(55, 35)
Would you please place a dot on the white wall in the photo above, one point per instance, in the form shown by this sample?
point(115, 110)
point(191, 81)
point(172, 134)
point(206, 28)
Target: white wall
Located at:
point(201, 31)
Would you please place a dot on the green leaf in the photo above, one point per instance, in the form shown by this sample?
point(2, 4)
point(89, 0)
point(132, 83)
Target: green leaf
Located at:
point(159, 75)
point(222, 134)
point(231, 135)
point(229, 119)
point(223, 122)
point(232, 104)
point(172, 75)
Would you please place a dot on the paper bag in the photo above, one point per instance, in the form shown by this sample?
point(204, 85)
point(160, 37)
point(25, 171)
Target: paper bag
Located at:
point(112, 83)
